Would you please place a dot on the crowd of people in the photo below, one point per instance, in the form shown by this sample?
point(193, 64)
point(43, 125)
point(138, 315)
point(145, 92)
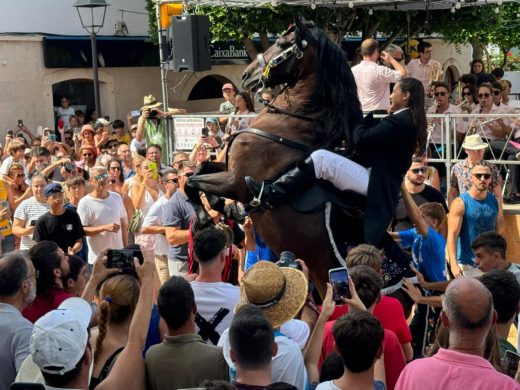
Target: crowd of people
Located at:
point(103, 283)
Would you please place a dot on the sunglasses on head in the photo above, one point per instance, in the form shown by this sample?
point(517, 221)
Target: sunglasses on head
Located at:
point(437, 94)
point(416, 171)
point(484, 95)
point(103, 176)
point(496, 92)
point(479, 176)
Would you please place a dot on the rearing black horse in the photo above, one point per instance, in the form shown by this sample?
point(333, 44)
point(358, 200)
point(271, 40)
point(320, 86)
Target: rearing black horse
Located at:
point(315, 110)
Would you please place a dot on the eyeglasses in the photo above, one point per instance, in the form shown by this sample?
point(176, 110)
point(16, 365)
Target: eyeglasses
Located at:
point(87, 155)
point(479, 176)
point(484, 95)
point(101, 177)
point(115, 168)
point(416, 171)
point(174, 181)
point(466, 94)
point(437, 94)
point(496, 92)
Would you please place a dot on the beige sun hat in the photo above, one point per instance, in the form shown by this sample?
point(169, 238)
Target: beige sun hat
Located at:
point(279, 291)
point(150, 101)
point(474, 142)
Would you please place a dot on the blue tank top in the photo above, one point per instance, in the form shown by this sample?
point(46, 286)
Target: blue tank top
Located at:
point(479, 216)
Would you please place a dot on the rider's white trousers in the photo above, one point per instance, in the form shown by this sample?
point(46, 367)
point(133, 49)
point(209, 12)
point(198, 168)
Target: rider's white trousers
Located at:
point(343, 173)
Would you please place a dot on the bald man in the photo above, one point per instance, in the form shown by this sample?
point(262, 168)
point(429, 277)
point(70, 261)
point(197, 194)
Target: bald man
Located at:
point(468, 314)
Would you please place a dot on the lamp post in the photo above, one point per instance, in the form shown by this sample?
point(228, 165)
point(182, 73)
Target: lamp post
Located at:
point(92, 16)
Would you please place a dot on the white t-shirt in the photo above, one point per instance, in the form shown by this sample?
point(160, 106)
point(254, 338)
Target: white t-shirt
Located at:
point(155, 217)
point(29, 210)
point(135, 145)
point(65, 114)
point(96, 212)
point(211, 298)
point(287, 365)
point(6, 165)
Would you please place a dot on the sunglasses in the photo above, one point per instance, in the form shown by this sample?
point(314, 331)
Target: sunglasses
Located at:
point(174, 181)
point(496, 92)
point(104, 176)
point(479, 176)
point(187, 174)
point(113, 181)
point(19, 175)
point(115, 168)
point(112, 146)
point(466, 93)
point(416, 171)
point(484, 95)
point(87, 155)
point(437, 94)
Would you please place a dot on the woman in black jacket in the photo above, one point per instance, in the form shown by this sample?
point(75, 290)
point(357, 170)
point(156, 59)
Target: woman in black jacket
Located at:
point(384, 153)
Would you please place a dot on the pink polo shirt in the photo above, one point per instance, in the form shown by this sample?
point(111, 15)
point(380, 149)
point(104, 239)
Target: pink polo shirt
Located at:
point(373, 85)
point(421, 72)
point(453, 370)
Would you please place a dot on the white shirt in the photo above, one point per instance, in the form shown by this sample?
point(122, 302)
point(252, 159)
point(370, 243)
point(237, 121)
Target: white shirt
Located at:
point(96, 212)
point(421, 72)
point(6, 165)
point(439, 129)
point(155, 217)
point(65, 114)
point(211, 298)
point(135, 145)
point(373, 85)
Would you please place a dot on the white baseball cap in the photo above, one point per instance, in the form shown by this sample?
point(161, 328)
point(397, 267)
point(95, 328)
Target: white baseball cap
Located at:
point(59, 338)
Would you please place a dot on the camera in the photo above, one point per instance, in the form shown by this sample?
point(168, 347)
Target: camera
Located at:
point(153, 113)
point(288, 259)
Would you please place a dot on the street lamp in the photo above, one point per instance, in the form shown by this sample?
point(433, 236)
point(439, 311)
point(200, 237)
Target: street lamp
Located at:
point(92, 16)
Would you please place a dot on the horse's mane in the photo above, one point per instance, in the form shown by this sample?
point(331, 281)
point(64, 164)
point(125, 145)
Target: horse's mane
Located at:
point(336, 92)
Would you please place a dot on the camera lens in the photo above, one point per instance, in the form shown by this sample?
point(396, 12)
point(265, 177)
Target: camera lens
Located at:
point(154, 113)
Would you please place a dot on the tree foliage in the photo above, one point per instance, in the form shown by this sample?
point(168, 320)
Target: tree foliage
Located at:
point(479, 26)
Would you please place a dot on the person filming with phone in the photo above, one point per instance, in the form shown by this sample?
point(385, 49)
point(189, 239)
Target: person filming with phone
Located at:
point(151, 126)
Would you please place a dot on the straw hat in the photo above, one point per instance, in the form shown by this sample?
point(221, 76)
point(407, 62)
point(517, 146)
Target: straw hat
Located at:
point(149, 102)
point(474, 142)
point(279, 291)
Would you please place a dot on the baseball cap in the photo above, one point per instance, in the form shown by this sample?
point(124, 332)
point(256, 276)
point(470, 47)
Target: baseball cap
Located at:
point(59, 338)
point(52, 188)
point(102, 122)
point(228, 86)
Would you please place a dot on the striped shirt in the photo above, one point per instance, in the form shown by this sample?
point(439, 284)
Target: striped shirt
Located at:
point(30, 210)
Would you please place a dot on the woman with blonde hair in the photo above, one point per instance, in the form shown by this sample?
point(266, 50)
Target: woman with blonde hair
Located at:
point(118, 295)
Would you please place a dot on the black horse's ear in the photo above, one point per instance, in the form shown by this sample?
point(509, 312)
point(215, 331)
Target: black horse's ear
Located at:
point(302, 30)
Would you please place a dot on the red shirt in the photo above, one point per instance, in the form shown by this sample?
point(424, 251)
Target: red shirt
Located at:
point(389, 312)
point(42, 305)
point(394, 356)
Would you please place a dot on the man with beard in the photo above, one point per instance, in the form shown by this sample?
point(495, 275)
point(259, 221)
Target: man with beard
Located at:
point(52, 266)
point(17, 290)
point(421, 193)
point(473, 213)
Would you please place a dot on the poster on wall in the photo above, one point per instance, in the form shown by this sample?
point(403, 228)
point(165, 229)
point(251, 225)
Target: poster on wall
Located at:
point(187, 132)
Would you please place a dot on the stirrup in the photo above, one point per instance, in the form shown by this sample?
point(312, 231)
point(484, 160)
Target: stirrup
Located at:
point(256, 201)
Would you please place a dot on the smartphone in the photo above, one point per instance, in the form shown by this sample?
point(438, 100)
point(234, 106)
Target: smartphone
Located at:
point(121, 258)
point(153, 167)
point(135, 113)
point(338, 278)
point(10, 132)
point(61, 123)
point(20, 122)
point(510, 363)
point(205, 132)
point(4, 204)
point(52, 137)
point(288, 259)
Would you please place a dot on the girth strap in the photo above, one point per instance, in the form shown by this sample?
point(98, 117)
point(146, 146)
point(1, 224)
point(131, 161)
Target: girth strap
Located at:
point(276, 138)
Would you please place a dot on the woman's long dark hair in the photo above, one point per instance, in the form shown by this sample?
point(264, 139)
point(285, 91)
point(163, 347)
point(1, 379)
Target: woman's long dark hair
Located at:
point(477, 60)
point(473, 90)
point(116, 160)
point(249, 102)
point(416, 104)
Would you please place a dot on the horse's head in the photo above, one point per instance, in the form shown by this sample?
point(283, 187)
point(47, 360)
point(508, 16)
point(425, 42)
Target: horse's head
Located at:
point(281, 62)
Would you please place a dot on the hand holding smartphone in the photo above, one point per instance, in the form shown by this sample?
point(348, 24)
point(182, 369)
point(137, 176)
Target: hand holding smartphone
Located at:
point(338, 278)
point(122, 259)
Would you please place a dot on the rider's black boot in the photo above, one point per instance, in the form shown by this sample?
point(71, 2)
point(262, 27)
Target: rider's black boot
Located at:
point(288, 184)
